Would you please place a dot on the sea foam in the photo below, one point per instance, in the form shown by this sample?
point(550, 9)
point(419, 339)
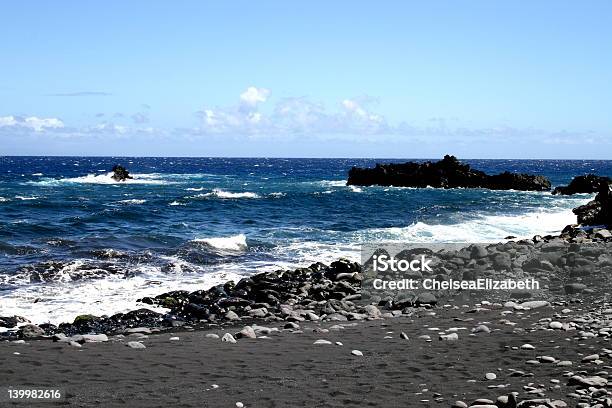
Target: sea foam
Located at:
point(233, 243)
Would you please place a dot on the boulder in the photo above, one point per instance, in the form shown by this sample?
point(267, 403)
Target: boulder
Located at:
point(120, 173)
point(598, 211)
point(587, 184)
point(29, 331)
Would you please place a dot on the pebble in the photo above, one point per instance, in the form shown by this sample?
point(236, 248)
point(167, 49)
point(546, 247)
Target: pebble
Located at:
point(248, 332)
point(75, 344)
point(357, 353)
point(481, 329)
point(449, 337)
point(136, 345)
point(141, 330)
point(527, 347)
point(592, 357)
point(174, 339)
point(547, 359)
point(490, 376)
point(404, 336)
point(228, 338)
point(231, 315)
point(321, 341)
point(555, 325)
point(212, 336)
point(239, 404)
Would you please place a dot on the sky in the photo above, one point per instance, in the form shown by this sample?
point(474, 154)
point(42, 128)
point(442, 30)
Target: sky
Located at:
point(479, 79)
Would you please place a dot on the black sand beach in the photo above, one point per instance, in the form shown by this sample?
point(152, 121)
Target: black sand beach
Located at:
point(286, 369)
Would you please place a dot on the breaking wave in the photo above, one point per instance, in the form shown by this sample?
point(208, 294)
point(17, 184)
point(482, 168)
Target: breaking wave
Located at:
point(233, 243)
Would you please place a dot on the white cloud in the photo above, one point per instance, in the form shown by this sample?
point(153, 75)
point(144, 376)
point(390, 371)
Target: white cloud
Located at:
point(252, 96)
point(291, 116)
point(7, 121)
point(32, 122)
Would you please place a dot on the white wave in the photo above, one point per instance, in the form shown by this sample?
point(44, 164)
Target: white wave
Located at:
point(132, 201)
point(491, 228)
point(332, 183)
point(227, 194)
point(61, 302)
point(195, 189)
point(37, 174)
point(176, 203)
point(277, 194)
point(356, 189)
point(103, 179)
point(233, 243)
point(4, 199)
point(26, 198)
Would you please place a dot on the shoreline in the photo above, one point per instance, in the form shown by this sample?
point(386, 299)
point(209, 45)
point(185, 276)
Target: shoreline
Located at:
point(315, 337)
point(441, 356)
point(551, 348)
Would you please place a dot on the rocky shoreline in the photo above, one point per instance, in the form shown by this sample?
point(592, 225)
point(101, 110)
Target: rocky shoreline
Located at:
point(547, 348)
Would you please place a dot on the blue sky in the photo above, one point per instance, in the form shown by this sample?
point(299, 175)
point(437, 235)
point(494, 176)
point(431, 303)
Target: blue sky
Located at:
point(307, 79)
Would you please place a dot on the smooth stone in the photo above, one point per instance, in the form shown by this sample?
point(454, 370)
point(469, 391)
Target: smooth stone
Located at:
point(212, 336)
point(136, 345)
point(321, 341)
point(594, 381)
point(534, 304)
point(555, 325)
point(231, 315)
point(94, 338)
point(481, 329)
point(75, 344)
point(527, 347)
point(404, 336)
point(490, 376)
point(449, 337)
point(357, 353)
point(248, 332)
point(228, 338)
point(141, 330)
point(592, 357)
point(174, 339)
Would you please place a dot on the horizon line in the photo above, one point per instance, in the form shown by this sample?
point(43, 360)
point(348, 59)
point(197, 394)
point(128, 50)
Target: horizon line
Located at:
point(303, 158)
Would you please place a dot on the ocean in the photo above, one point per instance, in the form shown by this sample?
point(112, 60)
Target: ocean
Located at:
point(74, 241)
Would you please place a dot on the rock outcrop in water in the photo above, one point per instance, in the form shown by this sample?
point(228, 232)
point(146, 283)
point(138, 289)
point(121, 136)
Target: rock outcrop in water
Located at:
point(587, 184)
point(120, 173)
point(446, 173)
point(598, 211)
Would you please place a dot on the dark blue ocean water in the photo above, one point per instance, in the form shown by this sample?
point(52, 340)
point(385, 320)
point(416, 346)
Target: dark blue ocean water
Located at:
point(72, 240)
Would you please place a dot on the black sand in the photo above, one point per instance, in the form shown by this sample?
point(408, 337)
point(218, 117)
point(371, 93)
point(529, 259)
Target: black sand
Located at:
point(288, 370)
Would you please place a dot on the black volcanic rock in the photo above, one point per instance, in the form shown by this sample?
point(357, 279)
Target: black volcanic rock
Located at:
point(598, 211)
point(446, 173)
point(589, 184)
point(120, 173)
